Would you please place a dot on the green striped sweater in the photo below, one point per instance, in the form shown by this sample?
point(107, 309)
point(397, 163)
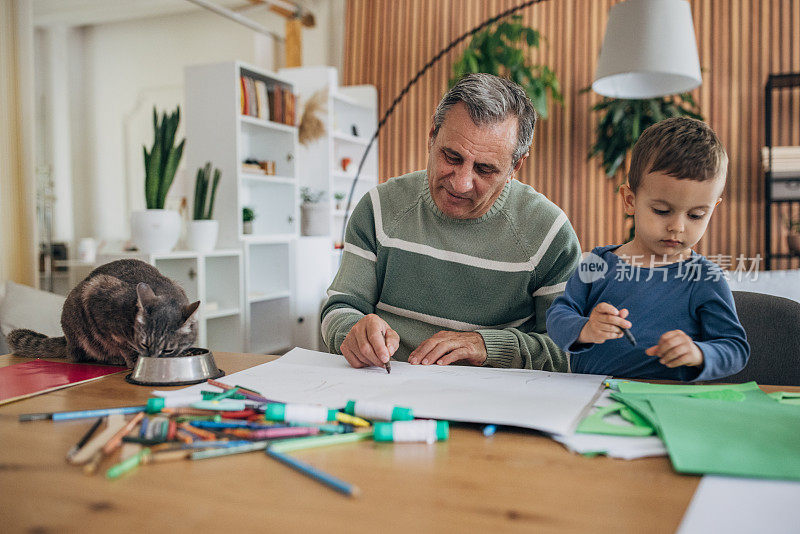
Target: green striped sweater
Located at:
point(422, 271)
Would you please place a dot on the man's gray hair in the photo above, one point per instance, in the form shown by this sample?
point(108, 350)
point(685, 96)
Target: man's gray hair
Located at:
point(491, 99)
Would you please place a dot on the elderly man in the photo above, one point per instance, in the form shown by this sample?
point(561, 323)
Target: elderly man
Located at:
point(460, 262)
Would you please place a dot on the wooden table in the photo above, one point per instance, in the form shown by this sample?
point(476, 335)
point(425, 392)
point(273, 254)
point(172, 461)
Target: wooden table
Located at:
point(513, 481)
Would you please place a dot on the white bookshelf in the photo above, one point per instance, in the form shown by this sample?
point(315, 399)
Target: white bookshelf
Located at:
point(349, 110)
point(216, 280)
point(216, 131)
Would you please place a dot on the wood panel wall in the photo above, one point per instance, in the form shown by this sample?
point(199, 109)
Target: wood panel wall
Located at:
point(739, 42)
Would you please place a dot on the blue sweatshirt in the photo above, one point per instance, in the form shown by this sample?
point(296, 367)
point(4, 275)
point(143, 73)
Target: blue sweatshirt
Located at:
point(690, 295)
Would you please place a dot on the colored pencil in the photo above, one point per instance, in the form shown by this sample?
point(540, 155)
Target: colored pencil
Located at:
point(227, 451)
point(216, 444)
point(312, 472)
point(243, 391)
point(80, 414)
point(276, 433)
point(78, 446)
point(298, 444)
point(116, 439)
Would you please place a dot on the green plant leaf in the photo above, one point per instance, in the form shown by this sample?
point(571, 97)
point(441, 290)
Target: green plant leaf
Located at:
point(500, 50)
point(217, 175)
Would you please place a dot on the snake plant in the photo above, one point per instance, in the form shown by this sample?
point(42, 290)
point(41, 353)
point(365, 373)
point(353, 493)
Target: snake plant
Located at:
point(162, 161)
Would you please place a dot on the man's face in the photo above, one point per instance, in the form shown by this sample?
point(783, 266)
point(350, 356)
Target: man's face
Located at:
point(468, 165)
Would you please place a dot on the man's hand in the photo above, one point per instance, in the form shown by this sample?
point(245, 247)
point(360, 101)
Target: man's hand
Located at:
point(675, 348)
point(605, 322)
point(371, 342)
point(446, 347)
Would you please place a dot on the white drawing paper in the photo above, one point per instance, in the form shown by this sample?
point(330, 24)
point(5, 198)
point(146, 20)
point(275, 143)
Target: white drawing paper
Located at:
point(545, 401)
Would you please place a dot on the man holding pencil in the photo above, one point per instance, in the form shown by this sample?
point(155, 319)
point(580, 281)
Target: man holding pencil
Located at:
point(458, 262)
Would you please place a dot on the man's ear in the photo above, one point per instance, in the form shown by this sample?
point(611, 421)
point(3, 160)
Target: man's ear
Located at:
point(518, 166)
point(717, 202)
point(628, 197)
point(431, 135)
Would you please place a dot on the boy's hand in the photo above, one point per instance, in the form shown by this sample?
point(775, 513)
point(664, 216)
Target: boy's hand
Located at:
point(605, 322)
point(675, 348)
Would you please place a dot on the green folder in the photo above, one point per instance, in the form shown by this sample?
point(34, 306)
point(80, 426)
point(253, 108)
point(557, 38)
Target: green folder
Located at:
point(750, 439)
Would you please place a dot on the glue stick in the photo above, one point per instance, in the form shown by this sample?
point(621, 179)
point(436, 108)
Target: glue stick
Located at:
point(379, 411)
point(299, 413)
point(425, 430)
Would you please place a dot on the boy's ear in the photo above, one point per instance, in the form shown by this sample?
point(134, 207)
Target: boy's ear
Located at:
point(717, 202)
point(627, 198)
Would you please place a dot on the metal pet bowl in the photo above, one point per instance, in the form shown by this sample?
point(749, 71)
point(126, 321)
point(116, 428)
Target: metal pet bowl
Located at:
point(193, 366)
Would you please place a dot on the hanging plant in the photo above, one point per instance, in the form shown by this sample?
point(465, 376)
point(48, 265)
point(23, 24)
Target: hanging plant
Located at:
point(499, 50)
point(623, 121)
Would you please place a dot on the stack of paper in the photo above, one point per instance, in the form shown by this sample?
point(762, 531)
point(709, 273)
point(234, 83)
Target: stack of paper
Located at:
point(731, 430)
point(615, 446)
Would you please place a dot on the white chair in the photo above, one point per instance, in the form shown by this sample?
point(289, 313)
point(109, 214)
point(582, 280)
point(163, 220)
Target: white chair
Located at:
point(26, 307)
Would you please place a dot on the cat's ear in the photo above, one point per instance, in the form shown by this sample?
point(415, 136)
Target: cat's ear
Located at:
point(189, 310)
point(145, 295)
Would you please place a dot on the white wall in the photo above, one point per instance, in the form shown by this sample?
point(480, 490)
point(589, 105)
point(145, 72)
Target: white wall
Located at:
point(118, 71)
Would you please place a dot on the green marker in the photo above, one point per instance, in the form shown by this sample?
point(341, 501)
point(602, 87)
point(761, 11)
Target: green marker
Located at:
point(383, 412)
point(299, 413)
point(124, 466)
point(426, 430)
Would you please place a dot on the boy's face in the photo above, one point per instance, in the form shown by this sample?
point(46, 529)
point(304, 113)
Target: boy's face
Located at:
point(671, 215)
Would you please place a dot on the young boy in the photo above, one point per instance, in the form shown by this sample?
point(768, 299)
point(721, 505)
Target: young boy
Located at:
point(676, 305)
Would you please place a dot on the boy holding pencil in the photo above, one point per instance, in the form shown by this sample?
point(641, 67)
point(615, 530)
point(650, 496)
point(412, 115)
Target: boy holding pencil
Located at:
point(675, 303)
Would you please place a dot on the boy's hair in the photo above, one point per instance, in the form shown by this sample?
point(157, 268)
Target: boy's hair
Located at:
point(681, 147)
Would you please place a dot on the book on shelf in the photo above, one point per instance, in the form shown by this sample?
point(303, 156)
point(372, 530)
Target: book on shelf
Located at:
point(270, 102)
point(262, 109)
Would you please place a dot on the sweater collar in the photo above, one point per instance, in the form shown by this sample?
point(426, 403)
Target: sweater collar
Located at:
point(496, 207)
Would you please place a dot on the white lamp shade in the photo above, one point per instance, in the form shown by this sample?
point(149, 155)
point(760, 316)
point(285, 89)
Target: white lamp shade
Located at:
point(649, 50)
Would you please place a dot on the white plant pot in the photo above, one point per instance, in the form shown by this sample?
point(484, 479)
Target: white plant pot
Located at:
point(155, 231)
point(314, 218)
point(247, 227)
point(201, 236)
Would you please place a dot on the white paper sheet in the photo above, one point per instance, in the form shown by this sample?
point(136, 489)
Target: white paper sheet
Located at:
point(623, 447)
point(743, 505)
point(550, 402)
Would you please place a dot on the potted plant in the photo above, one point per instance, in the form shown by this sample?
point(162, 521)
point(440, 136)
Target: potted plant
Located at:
point(498, 50)
point(313, 212)
point(248, 216)
point(156, 230)
point(624, 120)
point(339, 198)
point(203, 230)
point(793, 237)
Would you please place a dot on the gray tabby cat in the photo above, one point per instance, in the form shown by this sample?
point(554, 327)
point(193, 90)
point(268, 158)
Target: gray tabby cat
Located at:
point(122, 310)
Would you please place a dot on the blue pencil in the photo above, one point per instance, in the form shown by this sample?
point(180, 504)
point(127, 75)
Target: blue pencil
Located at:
point(80, 414)
point(312, 472)
point(215, 444)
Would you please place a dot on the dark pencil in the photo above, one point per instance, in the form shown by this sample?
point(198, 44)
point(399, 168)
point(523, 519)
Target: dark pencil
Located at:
point(627, 333)
point(78, 446)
